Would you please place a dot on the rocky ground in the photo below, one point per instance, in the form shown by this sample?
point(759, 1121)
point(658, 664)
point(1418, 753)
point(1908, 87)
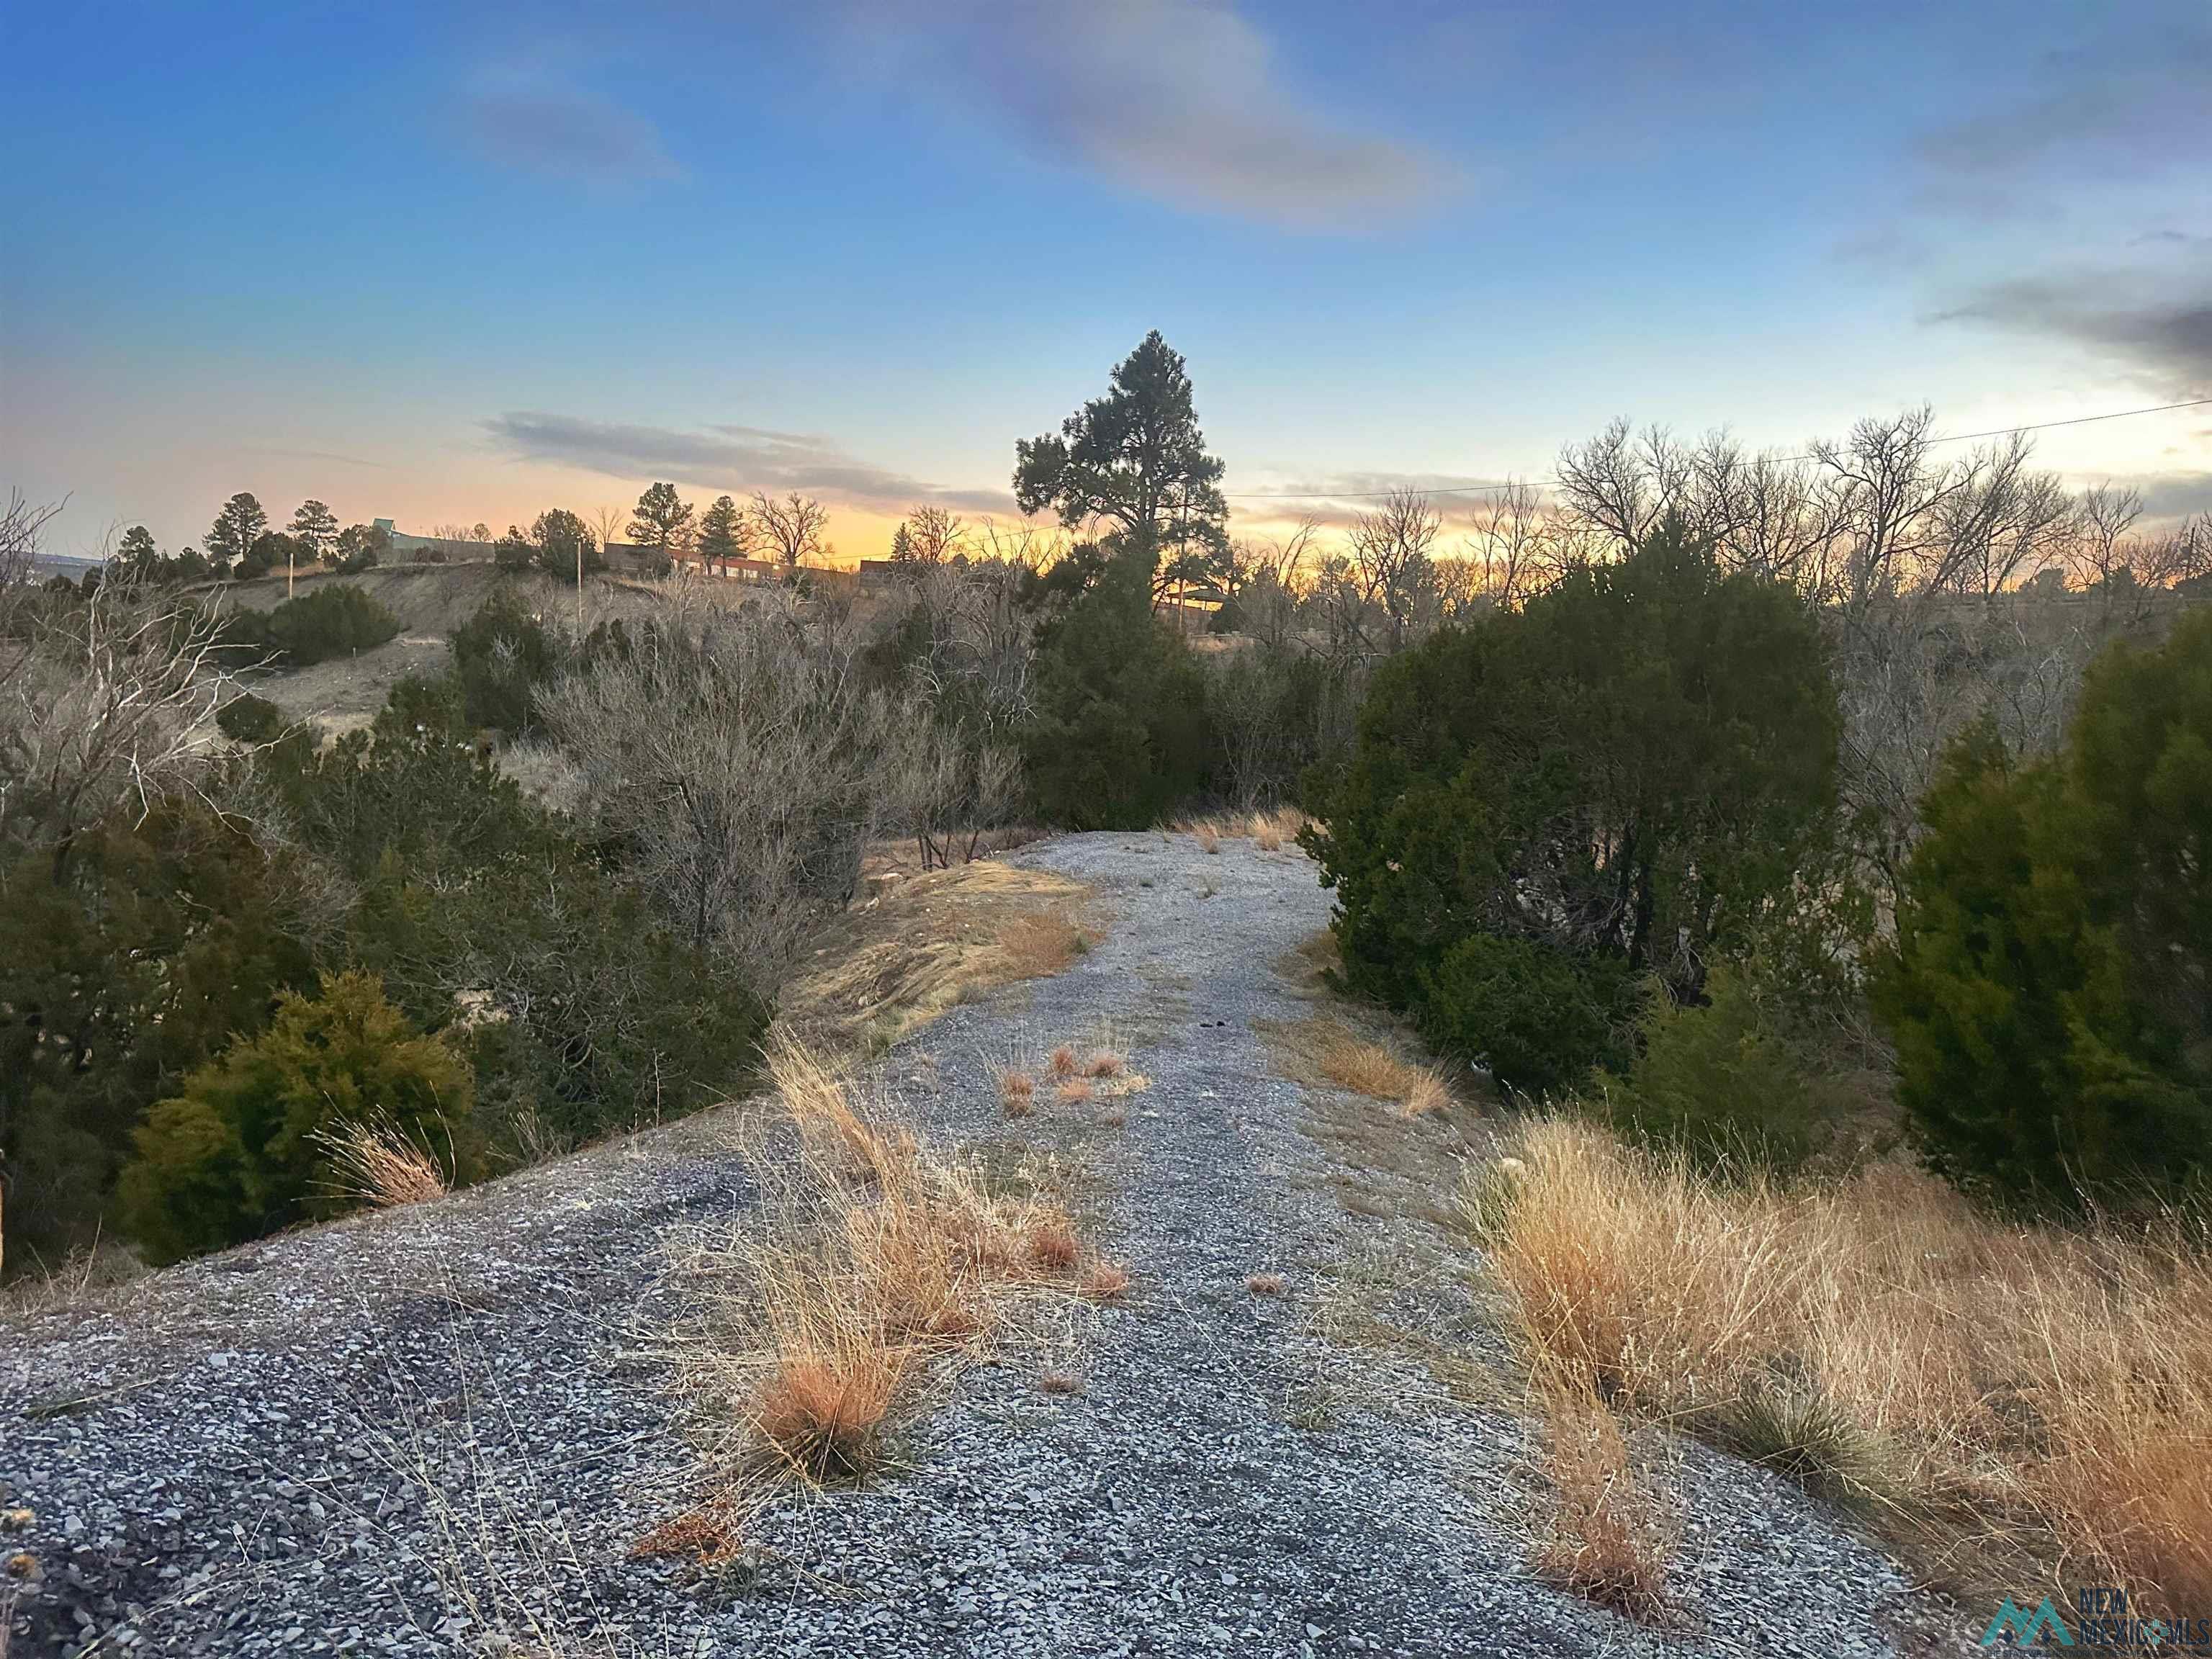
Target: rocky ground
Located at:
point(439, 1430)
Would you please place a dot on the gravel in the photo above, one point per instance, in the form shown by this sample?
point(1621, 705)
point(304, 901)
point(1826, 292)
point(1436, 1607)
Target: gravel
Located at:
point(438, 1430)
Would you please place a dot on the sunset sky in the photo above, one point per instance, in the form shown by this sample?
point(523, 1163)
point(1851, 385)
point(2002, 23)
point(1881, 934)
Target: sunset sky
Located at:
point(459, 261)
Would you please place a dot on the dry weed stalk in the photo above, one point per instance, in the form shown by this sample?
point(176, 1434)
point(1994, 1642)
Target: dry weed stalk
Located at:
point(2037, 1393)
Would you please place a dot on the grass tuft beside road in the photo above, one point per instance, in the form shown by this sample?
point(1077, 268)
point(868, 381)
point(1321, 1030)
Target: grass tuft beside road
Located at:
point(1997, 1399)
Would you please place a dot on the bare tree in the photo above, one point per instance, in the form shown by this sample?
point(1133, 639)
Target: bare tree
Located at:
point(792, 527)
point(1887, 495)
point(1506, 546)
point(1019, 546)
point(1390, 554)
point(2100, 546)
point(934, 535)
point(22, 532)
point(1999, 520)
point(1622, 482)
point(2183, 554)
point(1262, 579)
point(611, 523)
point(1337, 601)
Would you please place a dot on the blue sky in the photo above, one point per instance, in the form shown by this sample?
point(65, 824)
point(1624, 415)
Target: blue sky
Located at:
point(463, 261)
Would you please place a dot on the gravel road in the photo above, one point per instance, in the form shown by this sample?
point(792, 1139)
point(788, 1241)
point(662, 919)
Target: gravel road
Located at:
point(422, 1431)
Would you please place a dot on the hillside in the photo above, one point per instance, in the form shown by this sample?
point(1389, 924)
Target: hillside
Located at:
point(430, 601)
point(445, 1428)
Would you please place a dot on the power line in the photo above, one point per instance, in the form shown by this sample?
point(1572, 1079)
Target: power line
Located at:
point(1500, 489)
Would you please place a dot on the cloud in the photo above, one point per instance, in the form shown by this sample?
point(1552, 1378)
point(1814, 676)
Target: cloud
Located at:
point(735, 458)
point(542, 123)
point(2159, 329)
point(2115, 103)
point(314, 455)
point(2167, 496)
point(1336, 499)
point(1180, 101)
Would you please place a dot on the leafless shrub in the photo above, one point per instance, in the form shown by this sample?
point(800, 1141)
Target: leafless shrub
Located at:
point(1254, 695)
point(101, 700)
point(948, 783)
point(1261, 579)
point(740, 755)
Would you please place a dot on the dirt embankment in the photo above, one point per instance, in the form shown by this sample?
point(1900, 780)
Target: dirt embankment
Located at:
point(430, 601)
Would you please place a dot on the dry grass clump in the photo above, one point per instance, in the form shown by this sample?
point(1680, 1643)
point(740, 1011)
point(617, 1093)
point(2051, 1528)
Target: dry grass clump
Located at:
point(1062, 1061)
point(1264, 1283)
point(1104, 1062)
point(1611, 1533)
point(103, 1265)
point(1331, 1051)
point(373, 1164)
point(1269, 832)
point(1053, 1246)
point(1017, 1092)
point(1059, 1382)
point(1999, 1395)
point(1075, 1091)
point(821, 1412)
point(1104, 1282)
point(920, 943)
point(710, 1535)
point(1037, 945)
point(877, 1261)
point(1427, 1093)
